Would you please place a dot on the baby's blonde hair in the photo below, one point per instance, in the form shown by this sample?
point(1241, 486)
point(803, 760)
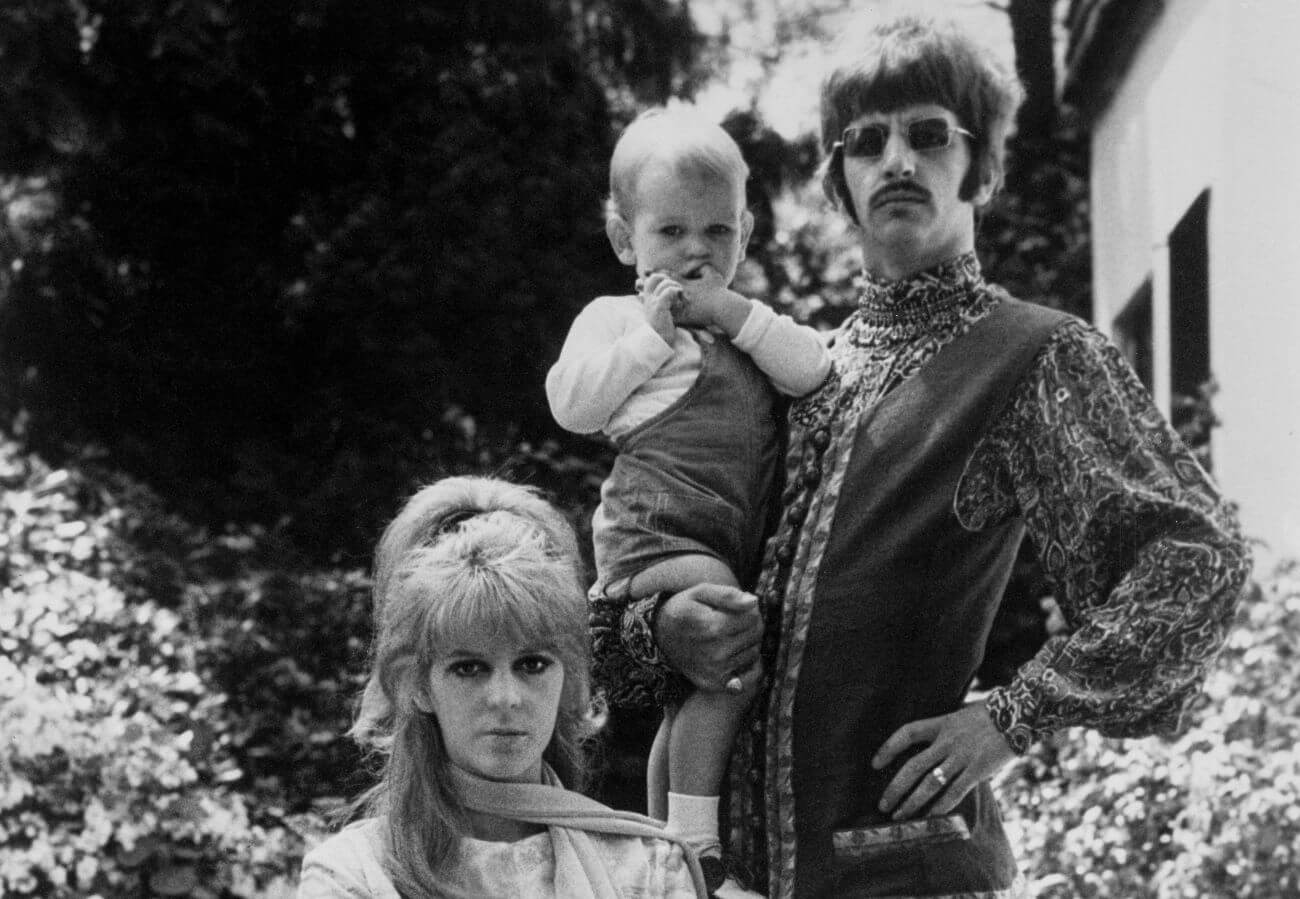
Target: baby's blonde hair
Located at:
point(693, 145)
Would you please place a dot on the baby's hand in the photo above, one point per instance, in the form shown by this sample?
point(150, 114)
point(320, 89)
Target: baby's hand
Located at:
point(709, 303)
point(661, 298)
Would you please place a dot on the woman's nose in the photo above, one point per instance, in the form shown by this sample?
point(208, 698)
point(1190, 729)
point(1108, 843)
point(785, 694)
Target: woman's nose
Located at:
point(504, 692)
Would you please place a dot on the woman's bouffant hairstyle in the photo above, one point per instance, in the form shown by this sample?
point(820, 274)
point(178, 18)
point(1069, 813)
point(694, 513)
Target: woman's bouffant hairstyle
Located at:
point(466, 557)
point(686, 140)
point(911, 61)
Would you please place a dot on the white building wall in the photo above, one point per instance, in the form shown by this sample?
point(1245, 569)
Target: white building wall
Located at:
point(1213, 101)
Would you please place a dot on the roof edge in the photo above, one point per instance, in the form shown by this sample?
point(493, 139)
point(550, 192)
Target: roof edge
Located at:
point(1104, 39)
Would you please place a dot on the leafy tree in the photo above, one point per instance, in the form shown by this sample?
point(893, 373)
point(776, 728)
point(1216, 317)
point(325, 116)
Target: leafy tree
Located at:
point(268, 254)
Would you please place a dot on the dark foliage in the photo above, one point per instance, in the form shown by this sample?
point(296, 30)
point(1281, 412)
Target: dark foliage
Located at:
point(266, 253)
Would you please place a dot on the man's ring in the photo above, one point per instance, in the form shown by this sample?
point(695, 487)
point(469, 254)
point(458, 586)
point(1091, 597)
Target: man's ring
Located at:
point(734, 685)
point(937, 773)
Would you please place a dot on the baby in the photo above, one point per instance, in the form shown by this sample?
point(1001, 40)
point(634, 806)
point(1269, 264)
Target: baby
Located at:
point(683, 377)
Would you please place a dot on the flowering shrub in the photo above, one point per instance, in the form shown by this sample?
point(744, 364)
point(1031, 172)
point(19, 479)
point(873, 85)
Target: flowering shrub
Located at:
point(118, 775)
point(173, 701)
point(172, 704)
point(1211, 812)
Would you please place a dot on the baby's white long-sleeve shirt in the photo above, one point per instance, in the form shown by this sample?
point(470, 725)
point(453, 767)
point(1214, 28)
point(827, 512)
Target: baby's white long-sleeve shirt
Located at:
point(615, 371)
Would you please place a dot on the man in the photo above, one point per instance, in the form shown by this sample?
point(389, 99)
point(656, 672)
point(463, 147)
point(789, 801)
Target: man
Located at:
point(956, 419)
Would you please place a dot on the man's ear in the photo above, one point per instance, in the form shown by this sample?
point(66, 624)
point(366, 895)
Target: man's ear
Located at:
point(746, 230)
point(987, 187)
point(620, 238)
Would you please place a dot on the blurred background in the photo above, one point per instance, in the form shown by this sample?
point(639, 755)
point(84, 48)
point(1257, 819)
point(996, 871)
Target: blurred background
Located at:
point(266, 267)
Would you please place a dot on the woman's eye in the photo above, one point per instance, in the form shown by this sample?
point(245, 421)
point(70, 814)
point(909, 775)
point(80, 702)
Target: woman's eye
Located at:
point(534, 664)
point(467, 668)
point(670, 230)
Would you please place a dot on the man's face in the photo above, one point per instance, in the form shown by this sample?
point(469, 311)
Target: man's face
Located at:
point(906, 199)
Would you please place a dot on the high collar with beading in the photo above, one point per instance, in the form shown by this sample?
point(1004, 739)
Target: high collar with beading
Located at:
point(920, 295)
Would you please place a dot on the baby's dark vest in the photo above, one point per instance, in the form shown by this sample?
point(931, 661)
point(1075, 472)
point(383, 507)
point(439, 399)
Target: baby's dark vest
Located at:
point(697, 477)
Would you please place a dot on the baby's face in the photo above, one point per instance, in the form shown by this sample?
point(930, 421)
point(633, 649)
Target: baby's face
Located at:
point(683, 222)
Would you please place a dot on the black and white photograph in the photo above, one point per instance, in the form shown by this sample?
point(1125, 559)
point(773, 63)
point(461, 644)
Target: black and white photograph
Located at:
point(650, 449)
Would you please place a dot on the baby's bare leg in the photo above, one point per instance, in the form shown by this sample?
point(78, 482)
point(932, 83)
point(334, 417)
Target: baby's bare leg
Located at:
point(696, 738)
point(656, 775)
point(677, 573)
point(699, 742)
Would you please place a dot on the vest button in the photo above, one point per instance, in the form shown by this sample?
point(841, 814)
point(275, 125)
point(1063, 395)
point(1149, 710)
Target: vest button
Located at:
point(821, 438)
point(785, 554)
point(796, 513)
point(811, 474)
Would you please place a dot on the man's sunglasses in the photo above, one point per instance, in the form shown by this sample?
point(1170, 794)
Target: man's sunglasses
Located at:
point(923, 135)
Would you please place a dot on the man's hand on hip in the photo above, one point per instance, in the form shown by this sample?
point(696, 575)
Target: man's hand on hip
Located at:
point(965, 748)
point(711, 633)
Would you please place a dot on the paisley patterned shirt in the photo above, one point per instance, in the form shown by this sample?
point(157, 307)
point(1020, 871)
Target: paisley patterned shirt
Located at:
point(1145, 559)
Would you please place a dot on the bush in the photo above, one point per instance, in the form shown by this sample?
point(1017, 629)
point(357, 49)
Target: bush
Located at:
point(1211, 812)
point(174, 701)
point(121, 775)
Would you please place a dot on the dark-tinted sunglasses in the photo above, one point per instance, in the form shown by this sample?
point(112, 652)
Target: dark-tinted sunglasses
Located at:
point(923, 135)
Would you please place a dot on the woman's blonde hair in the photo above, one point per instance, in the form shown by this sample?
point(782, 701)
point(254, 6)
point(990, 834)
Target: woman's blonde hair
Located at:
point(466, 557)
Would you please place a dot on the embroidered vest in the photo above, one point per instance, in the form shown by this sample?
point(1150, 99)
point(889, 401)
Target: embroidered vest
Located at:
point(902, 606)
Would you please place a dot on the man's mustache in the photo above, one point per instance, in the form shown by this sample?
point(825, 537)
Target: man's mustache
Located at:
point(903, 190)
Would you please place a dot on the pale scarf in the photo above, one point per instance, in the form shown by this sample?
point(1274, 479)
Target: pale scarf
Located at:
point(580, 869)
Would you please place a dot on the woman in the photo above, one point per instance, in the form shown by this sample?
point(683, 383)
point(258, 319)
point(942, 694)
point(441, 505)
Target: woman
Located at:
point(477, 705)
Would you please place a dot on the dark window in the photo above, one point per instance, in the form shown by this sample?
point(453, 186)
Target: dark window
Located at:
point(1133, 332)
point(1189, 324)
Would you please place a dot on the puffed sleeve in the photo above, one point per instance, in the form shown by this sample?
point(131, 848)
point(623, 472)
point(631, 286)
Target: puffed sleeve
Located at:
point(793, 356)
point(648, 867)
point(1144, 557)
point(610, 351)
point(626, 662)
point(339, 869)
